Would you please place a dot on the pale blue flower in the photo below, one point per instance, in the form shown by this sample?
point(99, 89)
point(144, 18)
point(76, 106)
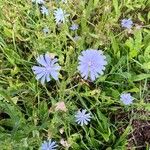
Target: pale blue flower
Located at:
point(49, 145)
point(74, 27)
point(127, 23)
point(82, 117)
point(76, 38)
point(60, 15)
point(38, 1)
point(46, 30)
point(49, 68)
point(44, 10)
point(126, 98)
point(91, 63)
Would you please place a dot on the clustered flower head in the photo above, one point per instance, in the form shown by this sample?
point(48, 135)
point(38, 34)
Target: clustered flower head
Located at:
point(65, 143)
point(82, 117)
point(74, 27)
point(127, 23)
point(48, 68)
point(60, 106)
point(91, 63)
point(60, 15)
point(126, 98)
point(49, 145)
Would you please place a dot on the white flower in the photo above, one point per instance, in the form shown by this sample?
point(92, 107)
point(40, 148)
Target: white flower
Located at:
point(60, 15)
point(74, 27)
point(44, 10)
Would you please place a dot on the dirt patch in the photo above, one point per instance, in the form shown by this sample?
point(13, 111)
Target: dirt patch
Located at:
point(140, 137)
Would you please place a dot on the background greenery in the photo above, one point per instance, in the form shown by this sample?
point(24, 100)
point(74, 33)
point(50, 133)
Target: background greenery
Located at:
point(27, 114)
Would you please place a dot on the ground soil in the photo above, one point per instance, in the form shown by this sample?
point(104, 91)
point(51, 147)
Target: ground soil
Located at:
point(140, 137)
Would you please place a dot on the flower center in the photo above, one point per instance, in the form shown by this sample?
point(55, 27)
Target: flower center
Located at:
point(82, 116)
point(90, 63)
point(48, 69)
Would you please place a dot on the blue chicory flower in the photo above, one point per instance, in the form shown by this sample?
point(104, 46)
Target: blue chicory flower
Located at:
point(126, 98)
point(44, 10)
point(127, 23)
point(74, 27)
point(38, 1)
point(91, 63)
point(49, 68)
point(60, 15)
point(49, 145)
point(82, 117)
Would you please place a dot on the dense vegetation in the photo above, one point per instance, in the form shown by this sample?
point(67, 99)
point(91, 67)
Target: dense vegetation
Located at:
point(31, 112)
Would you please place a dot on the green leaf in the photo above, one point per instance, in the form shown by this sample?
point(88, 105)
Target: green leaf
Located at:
point(115, 45)
point(138, 40)
point(136, 90)
point(105, 136)
point(130, 43)
point(89, 8)
point(148, 16)
point(140, 77)
point(147, 53)
point(146, 65)
point(116, 6)
point(95, 3)
point(122, 140)
point(43, 111)
point(103, 126)
point(147, 107)
point(133, 53)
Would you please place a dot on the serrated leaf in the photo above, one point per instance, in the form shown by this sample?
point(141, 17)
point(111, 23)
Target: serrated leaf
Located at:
point(116, 6)
point(115, 45)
